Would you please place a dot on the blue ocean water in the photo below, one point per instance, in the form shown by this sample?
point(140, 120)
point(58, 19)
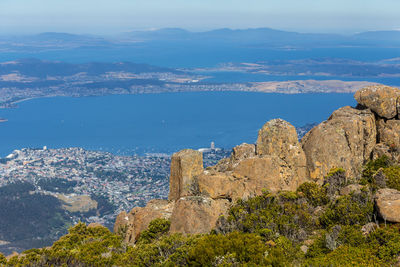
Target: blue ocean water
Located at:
point(157, 123)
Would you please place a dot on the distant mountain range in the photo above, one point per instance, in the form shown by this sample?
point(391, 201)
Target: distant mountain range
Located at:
point(179, 48)
point(225, 35)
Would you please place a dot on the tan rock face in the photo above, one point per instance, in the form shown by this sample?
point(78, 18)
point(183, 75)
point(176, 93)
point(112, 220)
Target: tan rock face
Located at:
point(269, 172)
point(383, 100)
point(381, 150)
point(389, 133)
point(345, 140)
point(242, 152)
point(197, 214)
point(388, 204)
point(278, 138)
point(238, 154)
point(139, 219)
point(184, 166)
point(219, 185)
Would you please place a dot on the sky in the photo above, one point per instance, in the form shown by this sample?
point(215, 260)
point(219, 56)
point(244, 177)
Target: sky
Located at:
point(116, 16)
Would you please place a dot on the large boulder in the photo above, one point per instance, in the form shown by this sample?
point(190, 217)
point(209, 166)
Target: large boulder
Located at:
point(388, 204)
point(278, 143)
point(219, 185)
point(185, 165)
point(138, 219)
point(277, 162)
point(268, 172)
point(388, 140)
point(383, 100)
point(345, 140)
point(197, 214)
point(279, 138)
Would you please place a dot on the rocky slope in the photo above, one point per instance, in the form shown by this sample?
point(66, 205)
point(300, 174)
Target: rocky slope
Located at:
point(348, 139)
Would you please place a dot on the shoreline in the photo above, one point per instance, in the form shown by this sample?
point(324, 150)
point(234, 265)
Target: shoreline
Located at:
point(278, 87)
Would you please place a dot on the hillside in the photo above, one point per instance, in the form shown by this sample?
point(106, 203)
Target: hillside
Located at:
point(331, 199)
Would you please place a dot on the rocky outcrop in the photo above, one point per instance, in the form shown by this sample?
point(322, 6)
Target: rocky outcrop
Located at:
point(220, 185)
point(185, 165)
point(345, 140)
point(278, 139)
point(388, 204)
point(138, 219)
point(197, 214)
point(389, 139)
point(383, 100)
point(277, 162)
point(269, 172)
point(242, 152)
point(348, 139)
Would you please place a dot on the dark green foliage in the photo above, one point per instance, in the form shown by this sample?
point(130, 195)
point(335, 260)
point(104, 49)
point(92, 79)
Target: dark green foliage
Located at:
point(349, 210)
point(315, 226)
point(373, 166)
point(346, 256)
point(3, 259)
point(82, 246)
point(392, 177)
point(351, 235)
point(335, 171)
point(57, 185)
point(239, 247)
point(43, 216)
point(370, 170)
point(157, 228)
point(381, 173)
point(169, 250)
point(314, 193)
point(379, 248)
point(270, 215)
point(386, 242)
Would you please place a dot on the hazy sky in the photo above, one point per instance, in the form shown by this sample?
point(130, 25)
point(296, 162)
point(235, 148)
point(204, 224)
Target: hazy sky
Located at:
point(114, 16)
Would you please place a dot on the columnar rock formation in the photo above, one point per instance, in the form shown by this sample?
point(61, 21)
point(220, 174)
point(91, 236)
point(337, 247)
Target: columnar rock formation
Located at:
point(348, 139)
point(185, 165)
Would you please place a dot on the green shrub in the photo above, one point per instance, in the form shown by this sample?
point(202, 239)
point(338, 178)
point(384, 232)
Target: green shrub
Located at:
point(157, 228)
point(386, 242)
point(346, 256)
point(284, 253)
point(349, 210)
point(392, 175)
point(314, 193)
point(241, 247)
point(351, 235)
point(372, 167)
point(335, 171)
point(270, 216)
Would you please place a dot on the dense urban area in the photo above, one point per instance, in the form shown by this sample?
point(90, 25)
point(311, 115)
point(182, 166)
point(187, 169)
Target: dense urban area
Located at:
point(68, 173)
point(90, 186)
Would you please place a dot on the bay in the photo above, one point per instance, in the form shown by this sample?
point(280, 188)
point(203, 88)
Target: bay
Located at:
point(157, 123)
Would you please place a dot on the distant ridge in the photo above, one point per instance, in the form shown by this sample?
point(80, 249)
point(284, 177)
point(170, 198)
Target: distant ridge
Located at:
point(265, 36)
